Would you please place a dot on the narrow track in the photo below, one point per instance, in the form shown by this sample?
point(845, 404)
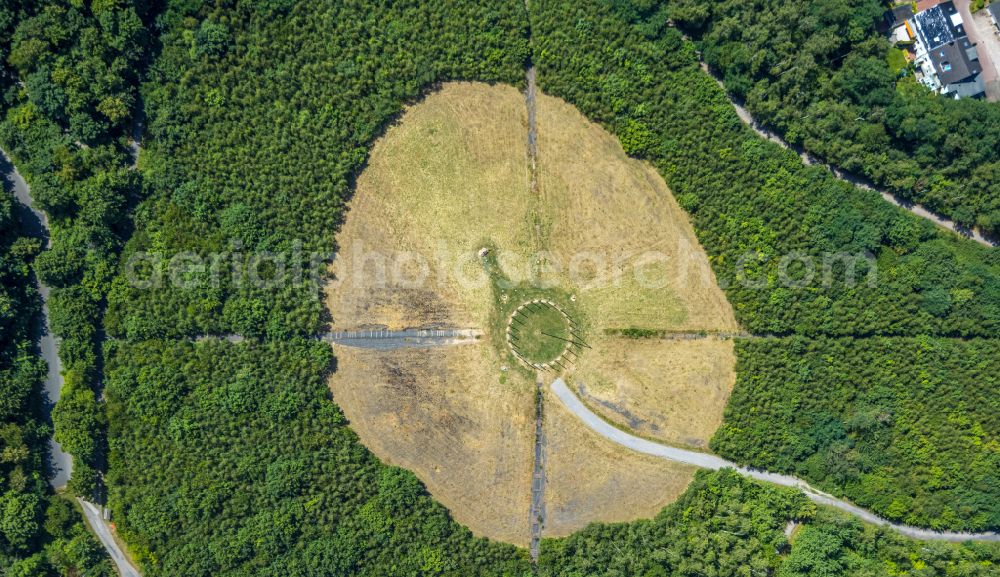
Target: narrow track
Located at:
point(93, 516)
point(384, 340)
point(529, 101)
point(537, 513)
point(710, 461)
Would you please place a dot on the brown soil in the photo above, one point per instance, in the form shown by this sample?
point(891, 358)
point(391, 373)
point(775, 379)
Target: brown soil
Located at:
point(444, 414)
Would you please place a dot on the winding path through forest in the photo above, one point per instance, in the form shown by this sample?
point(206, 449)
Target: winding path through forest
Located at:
point(856, 180)
point(36, 224)
point(92, 513)
point(710, 461)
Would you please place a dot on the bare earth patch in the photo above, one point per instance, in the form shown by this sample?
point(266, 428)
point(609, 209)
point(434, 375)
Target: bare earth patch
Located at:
point(443, 414)
point(452, 178)
point(617, 212)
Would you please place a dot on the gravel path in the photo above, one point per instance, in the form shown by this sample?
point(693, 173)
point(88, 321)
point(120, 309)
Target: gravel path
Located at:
point(385, 340)
point(709, 461)
point(529, 101)
point(538, 476)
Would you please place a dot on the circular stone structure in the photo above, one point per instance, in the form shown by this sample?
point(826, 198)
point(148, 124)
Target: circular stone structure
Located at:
point(539, 333)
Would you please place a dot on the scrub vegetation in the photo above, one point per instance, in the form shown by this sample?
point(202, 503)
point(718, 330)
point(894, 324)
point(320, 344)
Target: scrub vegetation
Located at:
point(727, 525)
point(904, 426)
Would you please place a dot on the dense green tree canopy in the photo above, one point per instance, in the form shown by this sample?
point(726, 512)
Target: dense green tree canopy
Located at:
point(29, 544)
point(821, 73)
point(753, 204)
point(231, 459)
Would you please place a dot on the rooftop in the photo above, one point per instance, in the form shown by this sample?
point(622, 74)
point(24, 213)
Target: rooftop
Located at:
point(956, 61)
point(940, 25)
point(970, 89)
point(899, 15)
point(994, 9)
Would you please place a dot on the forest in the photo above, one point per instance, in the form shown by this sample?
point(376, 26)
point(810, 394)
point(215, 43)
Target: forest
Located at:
point(726, 524)
point(747, 195)
point(258, 115)
point(758, 210)
point(905, 427)
point(41, 534)
point(248, 126)
point(231, 459)
point(65, 123)
point(819, 72)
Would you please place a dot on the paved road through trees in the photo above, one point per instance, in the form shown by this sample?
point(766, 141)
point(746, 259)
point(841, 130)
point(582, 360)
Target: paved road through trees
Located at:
point(709, 461)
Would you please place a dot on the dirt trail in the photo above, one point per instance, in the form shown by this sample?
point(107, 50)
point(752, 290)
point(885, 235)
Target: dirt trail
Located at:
point(386, 340)
point(538, 475)
point(135, 136)
point(537, 512)
point(530, 102)
point(710, 461)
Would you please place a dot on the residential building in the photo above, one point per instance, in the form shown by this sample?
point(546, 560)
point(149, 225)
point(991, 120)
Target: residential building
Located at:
point(946, 60)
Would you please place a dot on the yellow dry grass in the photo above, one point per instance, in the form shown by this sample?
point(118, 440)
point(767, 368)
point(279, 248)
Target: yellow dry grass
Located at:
point(444, 414)
point(671, 390)
point(615, 218)
point(451, 177)
point(591, 479)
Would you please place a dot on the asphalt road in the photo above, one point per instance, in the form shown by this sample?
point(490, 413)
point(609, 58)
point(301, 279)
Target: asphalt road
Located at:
point(714, 462)
point(37, 225)
point(61, 463)
point(93, 516)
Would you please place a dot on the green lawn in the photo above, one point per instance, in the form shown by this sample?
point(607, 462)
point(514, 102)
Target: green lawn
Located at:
point(897, 60)
point(539, 332)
